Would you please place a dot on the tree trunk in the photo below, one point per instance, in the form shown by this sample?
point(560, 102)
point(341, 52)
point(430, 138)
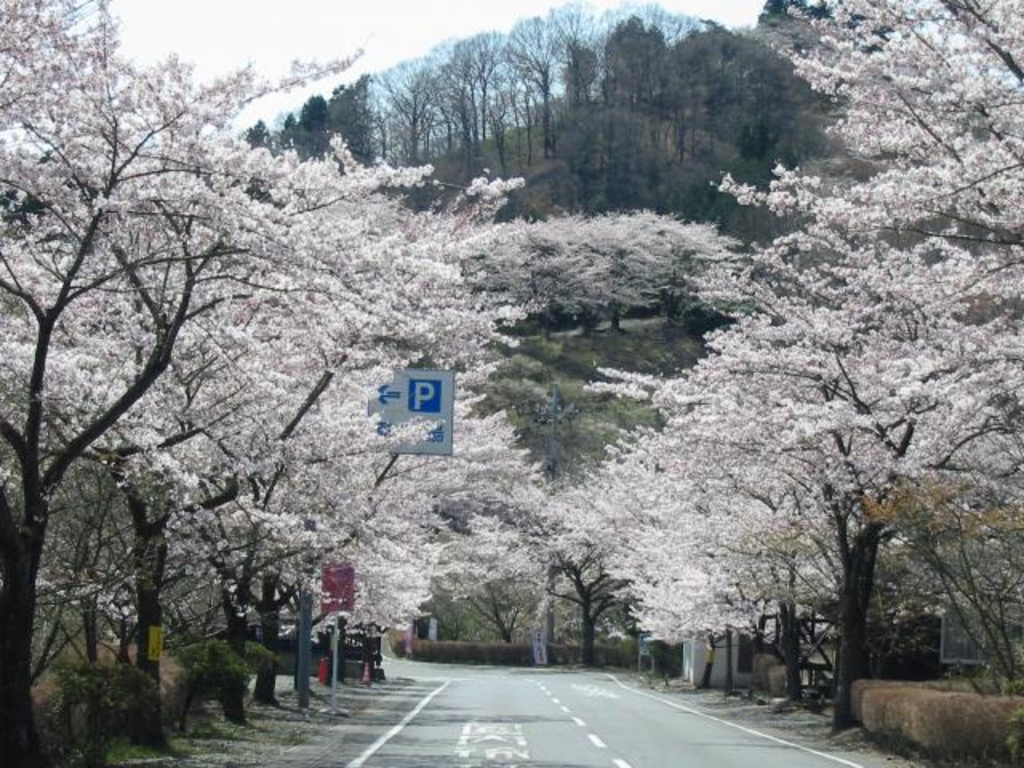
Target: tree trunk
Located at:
point(19, 561)
point(270, 628)
point(90, 632)
point(616, 320)
point(728, 661)
point(150, 615)
point(589, 657)
point(234, 702)
point(855, 597)
point(762, 622)
point(125, 632)
point(149, 552)
point(790, 642)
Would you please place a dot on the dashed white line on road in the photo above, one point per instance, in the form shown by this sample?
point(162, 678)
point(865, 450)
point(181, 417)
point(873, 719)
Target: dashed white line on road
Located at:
point(596, 741)
point(555, 701)
point(619, 763)
point(565, 709)
point(372, 749)
point(579, 722)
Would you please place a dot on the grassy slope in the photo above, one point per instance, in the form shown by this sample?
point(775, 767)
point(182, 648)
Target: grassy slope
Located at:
point(571, 360)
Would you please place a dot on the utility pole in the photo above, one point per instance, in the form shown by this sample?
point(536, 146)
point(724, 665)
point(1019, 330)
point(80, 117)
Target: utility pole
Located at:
point(553, 414)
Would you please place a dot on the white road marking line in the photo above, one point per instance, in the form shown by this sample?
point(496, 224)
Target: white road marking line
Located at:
point(579, 722)
point(565, 709)
point(555, 701)
point(621, 763)
point(371, 750)
point(596, 741)
point(737, 726)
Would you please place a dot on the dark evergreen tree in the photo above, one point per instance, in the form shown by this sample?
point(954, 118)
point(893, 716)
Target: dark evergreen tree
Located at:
point(351, 114)
point(258, 135)
point(314, 127)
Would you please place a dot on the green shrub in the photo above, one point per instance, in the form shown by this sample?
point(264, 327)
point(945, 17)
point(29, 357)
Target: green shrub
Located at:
point(1015, 737)
point(668, 659)
point(259, 657)
point(212, 669)
point(98, 703)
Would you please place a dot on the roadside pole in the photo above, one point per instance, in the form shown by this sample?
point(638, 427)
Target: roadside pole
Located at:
point(302, 652)
point(334, 661)
point(553, 414)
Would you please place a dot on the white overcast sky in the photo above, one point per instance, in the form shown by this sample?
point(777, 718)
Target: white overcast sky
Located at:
point(221, 35)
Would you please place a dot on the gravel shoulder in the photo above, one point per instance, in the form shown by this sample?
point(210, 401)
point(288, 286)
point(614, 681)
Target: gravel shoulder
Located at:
point(275, 735)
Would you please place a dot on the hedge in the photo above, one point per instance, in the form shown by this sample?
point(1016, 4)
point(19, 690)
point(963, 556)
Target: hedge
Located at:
point(769, 674)
point(942, 724)
point(507, 654)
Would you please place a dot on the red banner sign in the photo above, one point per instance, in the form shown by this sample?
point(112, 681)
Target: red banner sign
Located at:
point(338, 585)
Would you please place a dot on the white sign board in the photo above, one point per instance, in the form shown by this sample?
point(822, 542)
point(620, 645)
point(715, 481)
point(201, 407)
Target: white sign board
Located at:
point(416, 395)
point(540, 649)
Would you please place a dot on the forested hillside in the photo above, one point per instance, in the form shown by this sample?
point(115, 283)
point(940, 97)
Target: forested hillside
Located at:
point(598, 114)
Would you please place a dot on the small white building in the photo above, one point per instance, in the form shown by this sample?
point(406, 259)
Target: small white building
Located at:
point(696, 655)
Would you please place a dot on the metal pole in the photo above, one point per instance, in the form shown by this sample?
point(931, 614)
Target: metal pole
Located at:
point(553, 453)
point(552, 415)
point(305, 638)
point(334, 661)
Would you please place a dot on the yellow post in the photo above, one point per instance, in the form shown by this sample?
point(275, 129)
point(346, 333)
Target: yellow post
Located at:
point(155, 643)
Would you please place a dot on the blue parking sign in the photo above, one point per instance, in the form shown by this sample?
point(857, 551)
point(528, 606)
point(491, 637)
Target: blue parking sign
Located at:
point(425, 395)
point(417, 395)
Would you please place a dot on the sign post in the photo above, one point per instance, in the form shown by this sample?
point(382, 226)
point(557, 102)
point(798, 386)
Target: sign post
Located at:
point(643, 649)
point(304, 640)
point(338, 588)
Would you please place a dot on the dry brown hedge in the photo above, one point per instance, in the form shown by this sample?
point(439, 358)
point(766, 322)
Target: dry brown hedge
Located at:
point(943, 724)
point(769, 674)
point(508, 654)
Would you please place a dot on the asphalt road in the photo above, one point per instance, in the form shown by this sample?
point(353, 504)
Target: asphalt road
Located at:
point(458, 717)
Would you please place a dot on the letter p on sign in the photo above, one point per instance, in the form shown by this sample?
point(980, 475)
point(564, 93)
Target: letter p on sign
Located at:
point(424, 396)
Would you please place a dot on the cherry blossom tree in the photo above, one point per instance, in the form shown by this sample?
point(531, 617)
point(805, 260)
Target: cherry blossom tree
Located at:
point(175, 304)
point(496, 568)
point(596, 268)
point(878, 346)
